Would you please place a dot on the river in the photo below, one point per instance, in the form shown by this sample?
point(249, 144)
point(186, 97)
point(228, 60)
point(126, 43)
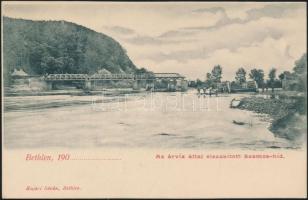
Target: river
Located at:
point(142, 120)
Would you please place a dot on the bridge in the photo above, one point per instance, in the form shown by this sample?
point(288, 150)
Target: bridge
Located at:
point(76, 77)
point(171, 81)
point(174, 80)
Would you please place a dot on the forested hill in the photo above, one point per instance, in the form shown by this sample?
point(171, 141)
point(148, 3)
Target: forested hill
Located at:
point(40, 47)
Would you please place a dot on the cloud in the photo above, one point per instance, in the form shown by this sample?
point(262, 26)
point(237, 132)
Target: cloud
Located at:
point(209, 10)
point(148, 40)
point(254, 56)
point(169, 37)
point(271, 11)
point(232, 43)
point(119, 30)
point(181, 32)
point(142, 40)
point(287, 52)
point(263, 38)
point(190, 38)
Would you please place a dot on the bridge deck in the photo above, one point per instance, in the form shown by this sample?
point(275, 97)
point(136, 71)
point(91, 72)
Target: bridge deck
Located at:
point(54, 77)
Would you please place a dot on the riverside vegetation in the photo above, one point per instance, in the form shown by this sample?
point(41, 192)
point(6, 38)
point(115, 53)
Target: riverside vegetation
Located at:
point(287, 108)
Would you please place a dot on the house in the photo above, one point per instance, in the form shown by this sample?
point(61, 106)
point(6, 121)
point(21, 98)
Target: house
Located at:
point(249, 86)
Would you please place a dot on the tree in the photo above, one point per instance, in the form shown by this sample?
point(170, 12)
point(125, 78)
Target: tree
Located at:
point(209, 81)
point(284, 75)
point(258, 76)
point(300, 73)
point(301, 65)
point(272, 76)
point(240, 75)
point(59, 65)
point(281, 76)
point(199, 83)
point(191, 84)
point(208, 76)
point(217, 74)
point(141, 71)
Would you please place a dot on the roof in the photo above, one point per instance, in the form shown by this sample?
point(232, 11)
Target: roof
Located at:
point(20, 72)
point(168, 75)
point(103, 71)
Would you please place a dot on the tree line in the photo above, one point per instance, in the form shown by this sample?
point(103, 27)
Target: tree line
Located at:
point(298, 75)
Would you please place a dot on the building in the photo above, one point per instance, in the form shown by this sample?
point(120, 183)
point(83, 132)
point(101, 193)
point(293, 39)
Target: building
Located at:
point(248, 86)
point(19, 73)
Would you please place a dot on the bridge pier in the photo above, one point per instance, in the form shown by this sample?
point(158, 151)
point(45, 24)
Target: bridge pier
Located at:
point(184, 85)
point(228, 87)
point(171, 84)
point(50, 85)
point(136, 85)
point(87, 84)
point(150, 86)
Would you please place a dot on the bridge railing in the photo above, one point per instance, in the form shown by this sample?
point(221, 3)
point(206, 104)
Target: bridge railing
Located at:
point(110, 76)
point(65, 77)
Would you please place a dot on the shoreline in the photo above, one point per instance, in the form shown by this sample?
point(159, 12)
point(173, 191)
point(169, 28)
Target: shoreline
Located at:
point(71, 92)
point(288, 113)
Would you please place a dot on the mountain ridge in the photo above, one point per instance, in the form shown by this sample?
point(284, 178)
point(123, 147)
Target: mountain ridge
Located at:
point(58, 46)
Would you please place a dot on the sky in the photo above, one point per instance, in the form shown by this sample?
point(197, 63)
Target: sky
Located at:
point(189, 38)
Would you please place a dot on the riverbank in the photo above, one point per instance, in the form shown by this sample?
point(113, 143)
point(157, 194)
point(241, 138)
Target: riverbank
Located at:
point(287, 111)
point(118, 91)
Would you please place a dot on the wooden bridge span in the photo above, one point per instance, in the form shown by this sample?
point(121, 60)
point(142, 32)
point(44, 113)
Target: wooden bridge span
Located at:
point(57, 77)
point(90, 80)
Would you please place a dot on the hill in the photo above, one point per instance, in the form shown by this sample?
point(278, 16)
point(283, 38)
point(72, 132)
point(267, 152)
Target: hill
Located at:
point(40, 47)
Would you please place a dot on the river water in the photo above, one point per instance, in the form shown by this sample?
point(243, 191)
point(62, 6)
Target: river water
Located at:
point(142, 120)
